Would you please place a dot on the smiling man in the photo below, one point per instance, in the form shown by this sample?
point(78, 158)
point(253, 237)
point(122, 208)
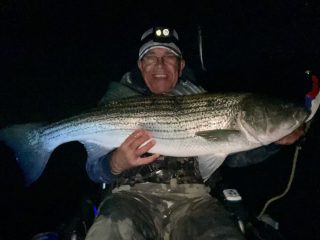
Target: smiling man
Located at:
point(160, 63)
point(157, 197)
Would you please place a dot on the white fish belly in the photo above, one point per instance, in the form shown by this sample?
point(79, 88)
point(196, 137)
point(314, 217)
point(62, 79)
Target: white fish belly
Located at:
point(198, 146)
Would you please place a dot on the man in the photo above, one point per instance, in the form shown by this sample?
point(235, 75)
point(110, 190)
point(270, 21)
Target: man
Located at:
point(159, 199)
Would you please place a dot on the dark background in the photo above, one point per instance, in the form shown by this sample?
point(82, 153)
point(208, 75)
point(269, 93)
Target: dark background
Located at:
point(56, 58)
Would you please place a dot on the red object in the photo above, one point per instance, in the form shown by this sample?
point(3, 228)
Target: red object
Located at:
point(315, 87)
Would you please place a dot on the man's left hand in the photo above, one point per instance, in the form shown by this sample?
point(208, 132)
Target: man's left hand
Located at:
point(292, 137)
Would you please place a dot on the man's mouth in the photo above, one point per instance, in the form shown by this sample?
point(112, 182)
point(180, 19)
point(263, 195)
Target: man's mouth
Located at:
point(160, 75)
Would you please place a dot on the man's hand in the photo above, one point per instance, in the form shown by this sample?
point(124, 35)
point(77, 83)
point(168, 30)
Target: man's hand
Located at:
point(292, 137)
point(129, 153)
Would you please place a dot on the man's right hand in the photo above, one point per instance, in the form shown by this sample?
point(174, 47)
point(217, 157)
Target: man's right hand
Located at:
point(129, 153)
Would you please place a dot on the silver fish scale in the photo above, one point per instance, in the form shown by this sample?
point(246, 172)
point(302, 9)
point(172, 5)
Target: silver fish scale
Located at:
point(165, 116)
point(175, 114)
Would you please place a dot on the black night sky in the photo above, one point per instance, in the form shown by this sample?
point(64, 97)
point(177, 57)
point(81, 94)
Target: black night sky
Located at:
point(61, 54)
point(56, 58)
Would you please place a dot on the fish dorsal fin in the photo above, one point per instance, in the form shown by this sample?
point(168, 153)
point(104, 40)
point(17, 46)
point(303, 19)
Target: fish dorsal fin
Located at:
point(218, 134)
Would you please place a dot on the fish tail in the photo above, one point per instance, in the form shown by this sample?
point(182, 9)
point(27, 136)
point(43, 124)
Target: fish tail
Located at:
point(25, 141)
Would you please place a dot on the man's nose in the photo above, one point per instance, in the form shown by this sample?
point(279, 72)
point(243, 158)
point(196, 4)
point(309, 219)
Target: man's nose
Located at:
point(160, 61)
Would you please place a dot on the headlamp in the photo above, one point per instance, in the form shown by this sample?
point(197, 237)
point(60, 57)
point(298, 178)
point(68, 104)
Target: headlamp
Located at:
point(164, 35)
point(160, 37)
point(158, 33)
point(165, 32)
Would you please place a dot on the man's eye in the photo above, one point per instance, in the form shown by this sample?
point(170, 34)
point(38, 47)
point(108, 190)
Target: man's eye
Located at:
point(170, 58)
point(150, 58)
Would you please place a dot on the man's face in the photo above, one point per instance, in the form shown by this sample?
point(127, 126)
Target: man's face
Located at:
point(160, 69)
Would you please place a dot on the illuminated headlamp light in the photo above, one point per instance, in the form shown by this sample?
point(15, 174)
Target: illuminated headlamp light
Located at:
point(160, 37)
point(164, 35)
point(162, 32)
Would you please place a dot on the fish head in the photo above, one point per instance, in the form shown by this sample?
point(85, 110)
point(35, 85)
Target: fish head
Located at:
point(265, 119)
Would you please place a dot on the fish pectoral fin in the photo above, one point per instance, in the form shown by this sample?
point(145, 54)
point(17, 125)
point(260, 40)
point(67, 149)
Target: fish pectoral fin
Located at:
point(219, 134)
point(95, 150)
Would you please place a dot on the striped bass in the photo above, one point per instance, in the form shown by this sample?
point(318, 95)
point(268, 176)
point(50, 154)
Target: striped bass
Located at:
point(210, 126)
